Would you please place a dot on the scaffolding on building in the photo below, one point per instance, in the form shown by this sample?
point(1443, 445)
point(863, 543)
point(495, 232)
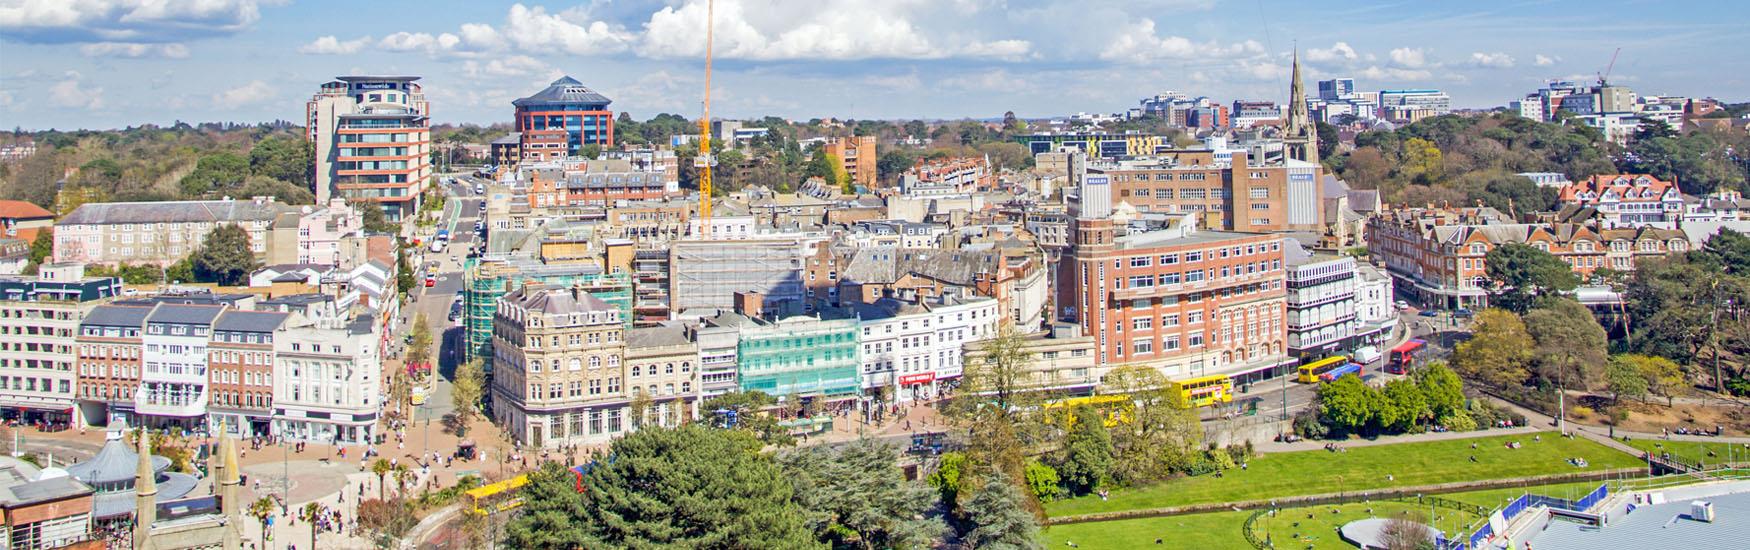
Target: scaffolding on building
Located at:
point(484, 282)
point(705, 275)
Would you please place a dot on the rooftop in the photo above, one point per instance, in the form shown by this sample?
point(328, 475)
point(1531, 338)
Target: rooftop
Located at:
point(236, 210)
point(564, 91)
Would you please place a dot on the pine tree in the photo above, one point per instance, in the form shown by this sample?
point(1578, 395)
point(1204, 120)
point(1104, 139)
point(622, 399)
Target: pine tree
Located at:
point(1002, 521)
point(856, 496)
point(687, 487)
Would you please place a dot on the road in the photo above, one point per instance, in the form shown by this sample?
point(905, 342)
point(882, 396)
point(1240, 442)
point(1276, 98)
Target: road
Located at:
point(435, 301)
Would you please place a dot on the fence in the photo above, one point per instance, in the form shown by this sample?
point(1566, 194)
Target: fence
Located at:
point(1249, 529)
point(1528, 501)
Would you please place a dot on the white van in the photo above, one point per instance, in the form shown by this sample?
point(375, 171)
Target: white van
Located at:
point(1367, 355)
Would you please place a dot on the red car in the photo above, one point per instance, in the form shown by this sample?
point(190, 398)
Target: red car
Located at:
point(430, 281)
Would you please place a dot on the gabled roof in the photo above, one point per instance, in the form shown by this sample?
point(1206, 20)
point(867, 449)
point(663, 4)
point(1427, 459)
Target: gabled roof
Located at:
point(117, 316)
point(23, 210)
point(185, 314)
point(102, 213)
point(250, 321)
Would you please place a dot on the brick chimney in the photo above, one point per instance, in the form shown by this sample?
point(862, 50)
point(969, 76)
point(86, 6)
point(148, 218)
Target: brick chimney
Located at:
point(751, 304)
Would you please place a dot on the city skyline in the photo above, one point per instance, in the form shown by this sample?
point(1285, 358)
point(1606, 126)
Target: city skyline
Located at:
point(123, 63)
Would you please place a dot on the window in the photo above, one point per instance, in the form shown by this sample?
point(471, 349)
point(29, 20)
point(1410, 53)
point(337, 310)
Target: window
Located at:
point(1141, 261)
point(1142, 323)
point(1194, 317)
point(1143, 346)
point(1170, 320)
point(1170, 343)
point(1260, 192)
point(1196, 339)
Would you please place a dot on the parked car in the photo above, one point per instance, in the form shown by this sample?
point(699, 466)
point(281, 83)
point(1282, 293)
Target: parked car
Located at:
point(1428, 313)
point(430, 281)
point(1463, 313)
point(1402, 305)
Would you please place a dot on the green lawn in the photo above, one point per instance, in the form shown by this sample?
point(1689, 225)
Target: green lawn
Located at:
point(1695, 450)
point(1221, 530)
point(1316, 472)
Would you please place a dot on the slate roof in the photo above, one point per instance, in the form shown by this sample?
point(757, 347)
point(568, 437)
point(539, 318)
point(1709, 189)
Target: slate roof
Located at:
point(185, 314)
point(250, 321)
point(566, 90)
point(117, 316)
point(886, 265)
point(104, 213)
point(656, 337)
point(113, 463)
point(557, 300)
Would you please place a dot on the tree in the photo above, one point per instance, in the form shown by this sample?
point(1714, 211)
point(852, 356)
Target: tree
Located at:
point(403, 270)
point(225, 258)
point(213, 172)
point(1086, 458)
point(1663, 377)
point(856, 496)
point(1350, 404)
point(261, 509)
point(1623, 376)
point(1043, 480)
point(382, 468)
point(311, 511)
point(893, 162)
point(1423, 162)
point(687, 487)
point(1162, 436)
point(419, 346)
point(42, 246)
point(1570, 343)
point(949, 477)
point(467, 389)
point(1521, 273)
point(746, 411)
point(1007, 155)
point(591, 151)
point(1443, 392)
point(284, 158)
point(1001, 521)
point(375, 221)
point(1407, 532)
point(1405, 408)
point(1498, 352)
point(182, 270)
point(1000, 412)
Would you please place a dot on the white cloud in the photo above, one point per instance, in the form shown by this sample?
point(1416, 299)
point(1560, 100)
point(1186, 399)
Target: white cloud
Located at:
point(506, 66)
point(124, 49)
point(329, 45)
point(419, 41)
point(65, 21)
point(252, 93)
point(5, 98)
point(1138, 43)
point(1409, 58)
point(72, 93)
point(1394, 74)
point(1546, 60)
point(533, 29)
point(1496, 60)
point(1337, 52)
point(828, 30)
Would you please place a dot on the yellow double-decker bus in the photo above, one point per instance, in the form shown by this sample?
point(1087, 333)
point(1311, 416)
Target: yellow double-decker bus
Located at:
point(1116, 409)
point(1202, 391)
point(1309, 373)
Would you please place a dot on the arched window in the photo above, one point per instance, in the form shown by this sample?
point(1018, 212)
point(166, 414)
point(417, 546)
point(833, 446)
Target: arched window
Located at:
point(636, 370)
point(595, 362)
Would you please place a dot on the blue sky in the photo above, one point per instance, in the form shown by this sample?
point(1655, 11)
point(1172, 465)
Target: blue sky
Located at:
point(111, 63)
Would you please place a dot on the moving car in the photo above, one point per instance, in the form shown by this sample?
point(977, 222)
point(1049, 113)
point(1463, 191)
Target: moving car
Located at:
point(430, 281)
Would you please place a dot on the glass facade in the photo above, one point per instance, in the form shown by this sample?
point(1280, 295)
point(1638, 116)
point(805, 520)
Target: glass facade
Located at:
point(481, 289)
point(801, 357)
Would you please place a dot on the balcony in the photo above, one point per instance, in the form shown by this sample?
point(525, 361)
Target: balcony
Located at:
point(171, 403)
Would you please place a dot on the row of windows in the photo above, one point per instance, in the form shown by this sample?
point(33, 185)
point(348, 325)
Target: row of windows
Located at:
point(25, 383)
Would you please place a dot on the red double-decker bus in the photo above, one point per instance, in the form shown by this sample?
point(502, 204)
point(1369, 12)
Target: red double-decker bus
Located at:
point(1404, 356)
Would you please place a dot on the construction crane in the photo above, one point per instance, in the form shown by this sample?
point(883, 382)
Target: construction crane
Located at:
point(704, 161)
point(1603, 78)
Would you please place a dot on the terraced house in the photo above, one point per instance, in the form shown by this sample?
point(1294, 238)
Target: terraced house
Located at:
point(1439, 255)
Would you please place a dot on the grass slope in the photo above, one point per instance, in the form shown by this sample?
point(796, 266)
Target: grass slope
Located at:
point(1359, 468)
point(1221, 530)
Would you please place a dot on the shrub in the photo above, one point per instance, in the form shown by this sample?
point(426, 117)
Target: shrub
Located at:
point(1580, 411)
point(1042, 479)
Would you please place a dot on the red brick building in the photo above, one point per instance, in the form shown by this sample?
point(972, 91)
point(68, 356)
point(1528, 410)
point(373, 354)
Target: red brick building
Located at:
point(109, 357)
point(1186, 302)
point(1234, 195)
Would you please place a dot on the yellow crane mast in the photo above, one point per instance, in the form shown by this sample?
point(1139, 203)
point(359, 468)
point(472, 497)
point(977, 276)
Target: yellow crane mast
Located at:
point(704, 161)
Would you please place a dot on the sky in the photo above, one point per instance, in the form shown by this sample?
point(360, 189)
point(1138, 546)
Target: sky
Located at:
point(112, 63)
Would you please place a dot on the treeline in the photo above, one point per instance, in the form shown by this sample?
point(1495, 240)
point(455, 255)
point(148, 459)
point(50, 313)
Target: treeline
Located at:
point(1686, 319)
point(153, 163)
point(1462, 160)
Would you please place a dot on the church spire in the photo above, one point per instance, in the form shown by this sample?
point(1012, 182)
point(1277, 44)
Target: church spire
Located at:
point(1301, 136)
point(145, 493)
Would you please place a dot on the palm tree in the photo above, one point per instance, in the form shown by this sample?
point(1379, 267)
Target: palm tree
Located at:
point(262, 508)
point(312, 510)
point(403, 476)
point(382, 468)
